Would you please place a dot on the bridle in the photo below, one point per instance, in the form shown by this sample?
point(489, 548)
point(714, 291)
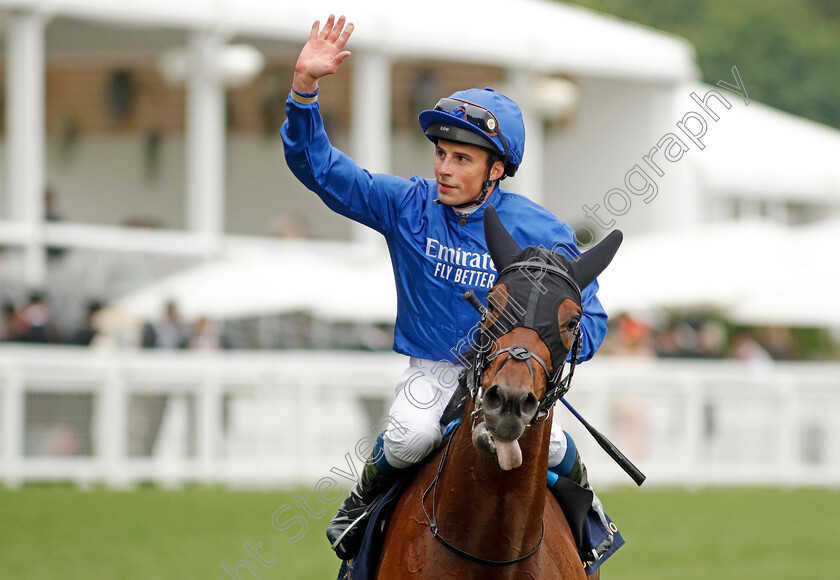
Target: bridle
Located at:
point(556, 387)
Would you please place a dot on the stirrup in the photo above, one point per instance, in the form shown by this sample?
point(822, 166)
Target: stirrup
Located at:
point(358, 521)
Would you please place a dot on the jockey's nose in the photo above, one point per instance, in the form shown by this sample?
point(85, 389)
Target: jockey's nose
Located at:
point(501, 399)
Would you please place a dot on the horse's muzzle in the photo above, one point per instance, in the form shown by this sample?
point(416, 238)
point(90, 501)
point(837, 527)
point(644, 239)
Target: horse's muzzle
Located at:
point(508, 412)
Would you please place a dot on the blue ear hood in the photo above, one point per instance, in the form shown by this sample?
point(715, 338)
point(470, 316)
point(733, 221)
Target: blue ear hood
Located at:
point(506, 111)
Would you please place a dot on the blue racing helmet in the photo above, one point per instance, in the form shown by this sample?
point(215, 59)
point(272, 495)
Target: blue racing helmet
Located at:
point(479, 117)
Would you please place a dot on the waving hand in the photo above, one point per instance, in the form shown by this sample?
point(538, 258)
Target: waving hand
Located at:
point(322, 54)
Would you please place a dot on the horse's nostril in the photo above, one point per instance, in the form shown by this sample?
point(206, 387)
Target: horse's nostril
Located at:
point(529, 405)
point(493, 399)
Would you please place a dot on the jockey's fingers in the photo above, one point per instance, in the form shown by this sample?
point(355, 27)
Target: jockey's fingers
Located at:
point(328, 25)
point(313, 33)
point(345, 36)
point(332, 36)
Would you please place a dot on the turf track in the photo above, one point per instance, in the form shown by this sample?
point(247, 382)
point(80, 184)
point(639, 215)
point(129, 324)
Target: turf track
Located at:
point(51, 533)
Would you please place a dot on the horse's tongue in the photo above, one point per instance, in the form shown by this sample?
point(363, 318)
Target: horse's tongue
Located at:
point(509, 454)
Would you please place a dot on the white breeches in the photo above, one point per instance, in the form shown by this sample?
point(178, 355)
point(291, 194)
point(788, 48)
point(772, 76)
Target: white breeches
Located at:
point(422, 393)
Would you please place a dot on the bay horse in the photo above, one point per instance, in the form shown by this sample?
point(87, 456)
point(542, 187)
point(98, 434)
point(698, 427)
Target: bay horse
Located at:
point(480, 507)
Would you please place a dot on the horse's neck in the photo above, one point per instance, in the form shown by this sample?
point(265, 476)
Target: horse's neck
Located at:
point(477, 503)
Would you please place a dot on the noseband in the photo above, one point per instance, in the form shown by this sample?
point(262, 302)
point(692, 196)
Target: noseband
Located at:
point(555, 387)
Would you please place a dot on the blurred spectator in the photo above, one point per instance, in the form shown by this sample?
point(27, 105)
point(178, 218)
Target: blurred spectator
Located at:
point(11, 323)
point(779, 342)
point(744, 347)
point(376, 336)
point(84, 335)
point(207, 335)
point(147, 410)
point(166, 333)
point(631, 337)
point(35, 321)
point(710, 340)
point(677, 340)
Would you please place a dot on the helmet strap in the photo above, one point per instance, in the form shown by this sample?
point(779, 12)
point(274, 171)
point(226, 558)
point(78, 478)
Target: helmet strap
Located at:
point(488, 184)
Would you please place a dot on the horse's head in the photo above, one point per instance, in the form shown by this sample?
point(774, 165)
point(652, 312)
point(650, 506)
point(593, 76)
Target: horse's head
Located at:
point(531, 324)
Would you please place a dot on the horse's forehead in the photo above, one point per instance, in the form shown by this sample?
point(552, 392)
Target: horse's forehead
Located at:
point(531, 295)
point(519, 374)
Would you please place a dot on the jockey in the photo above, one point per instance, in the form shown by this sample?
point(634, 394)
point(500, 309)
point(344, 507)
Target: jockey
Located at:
point(435, 236)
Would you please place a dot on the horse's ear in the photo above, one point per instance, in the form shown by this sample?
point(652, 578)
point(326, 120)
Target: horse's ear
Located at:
point(503, 248)
point(591, 263)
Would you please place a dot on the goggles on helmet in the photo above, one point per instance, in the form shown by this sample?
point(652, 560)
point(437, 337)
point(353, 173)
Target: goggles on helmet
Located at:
point(475, 115)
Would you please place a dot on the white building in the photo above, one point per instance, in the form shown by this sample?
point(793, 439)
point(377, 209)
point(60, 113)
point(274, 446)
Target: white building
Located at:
point(204, 182)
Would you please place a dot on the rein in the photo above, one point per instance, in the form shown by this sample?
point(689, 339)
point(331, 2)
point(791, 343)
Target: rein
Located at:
point(433, 525)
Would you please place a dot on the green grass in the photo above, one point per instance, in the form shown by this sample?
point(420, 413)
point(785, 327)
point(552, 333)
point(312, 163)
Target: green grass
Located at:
point(48, 533)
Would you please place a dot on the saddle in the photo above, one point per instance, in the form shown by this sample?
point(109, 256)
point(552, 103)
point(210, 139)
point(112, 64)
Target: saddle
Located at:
point(363, 566)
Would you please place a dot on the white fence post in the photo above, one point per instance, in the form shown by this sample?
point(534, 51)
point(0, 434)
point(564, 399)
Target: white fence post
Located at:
point(111, 421)
point(694, 469)
point(209, 425)
point(790, 461)
point(13, 426)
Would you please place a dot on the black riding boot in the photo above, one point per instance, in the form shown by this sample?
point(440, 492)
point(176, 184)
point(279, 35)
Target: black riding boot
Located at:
point(562, 493)
point(347, 528)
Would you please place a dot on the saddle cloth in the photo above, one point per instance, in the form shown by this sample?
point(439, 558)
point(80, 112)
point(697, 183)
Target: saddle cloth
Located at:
point(363, 566)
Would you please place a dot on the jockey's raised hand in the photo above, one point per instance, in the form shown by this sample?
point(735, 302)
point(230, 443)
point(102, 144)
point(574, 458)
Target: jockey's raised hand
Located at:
point(322, 54)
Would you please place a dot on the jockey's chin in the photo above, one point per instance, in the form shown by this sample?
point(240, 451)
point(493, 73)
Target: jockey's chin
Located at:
point(452, 195)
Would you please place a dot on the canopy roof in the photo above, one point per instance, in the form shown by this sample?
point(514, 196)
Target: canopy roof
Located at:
point(748, 271)
point(538, 35)
point(756, 151)
point(328, 281)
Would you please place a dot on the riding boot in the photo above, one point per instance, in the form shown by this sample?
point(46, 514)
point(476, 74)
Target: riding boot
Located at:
point(579, 476)
point(347, 528)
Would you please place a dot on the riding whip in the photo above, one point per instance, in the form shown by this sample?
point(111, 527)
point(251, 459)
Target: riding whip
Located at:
point(608, 446)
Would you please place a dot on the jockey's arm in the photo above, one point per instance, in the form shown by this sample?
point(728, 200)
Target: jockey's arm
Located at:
point(593, 323)
point(372, 200)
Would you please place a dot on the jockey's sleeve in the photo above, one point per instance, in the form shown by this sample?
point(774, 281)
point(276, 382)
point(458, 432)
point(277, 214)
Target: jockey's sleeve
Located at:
point(373, 200)
point(593, 322)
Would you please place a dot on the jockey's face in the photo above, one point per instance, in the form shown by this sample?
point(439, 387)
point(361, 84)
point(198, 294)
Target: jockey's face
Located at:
point(460, 170)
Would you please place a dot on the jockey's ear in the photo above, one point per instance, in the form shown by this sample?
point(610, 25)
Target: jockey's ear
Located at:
point(591, 263)
point(503, 248)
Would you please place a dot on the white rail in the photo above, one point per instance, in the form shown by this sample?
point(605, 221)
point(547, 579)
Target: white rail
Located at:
point(267, 419)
